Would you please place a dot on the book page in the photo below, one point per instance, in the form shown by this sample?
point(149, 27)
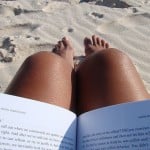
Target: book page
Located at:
point(124, 126)
point(32, 125)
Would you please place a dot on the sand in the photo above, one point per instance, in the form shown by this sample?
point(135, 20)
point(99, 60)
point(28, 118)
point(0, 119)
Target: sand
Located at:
point(29, 26)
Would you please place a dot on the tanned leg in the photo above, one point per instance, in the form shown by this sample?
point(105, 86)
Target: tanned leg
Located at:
point(107, 76)
point(47, 77)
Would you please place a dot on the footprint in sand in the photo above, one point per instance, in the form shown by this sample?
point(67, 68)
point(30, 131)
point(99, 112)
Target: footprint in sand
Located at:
point(131, 21)
point(29, 26)
point(19, 11)
point(8, 45)
point(7, 50)
point(11, 11)
point(111, 27)
point(18, 29)
point(97, 15)
point(135, 20)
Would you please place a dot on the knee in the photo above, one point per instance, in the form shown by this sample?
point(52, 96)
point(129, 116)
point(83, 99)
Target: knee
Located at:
point(105, 59)
point(39, 57)
point(112, 56)
point(42, 59)
point(45, 61)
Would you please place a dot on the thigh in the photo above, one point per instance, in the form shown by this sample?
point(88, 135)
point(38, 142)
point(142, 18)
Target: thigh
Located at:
point(45, 77)
point(108, 77)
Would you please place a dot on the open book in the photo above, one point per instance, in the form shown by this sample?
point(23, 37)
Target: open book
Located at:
point(32, 125)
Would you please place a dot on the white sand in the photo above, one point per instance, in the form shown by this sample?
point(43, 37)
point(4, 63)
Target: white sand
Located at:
point(29, 26)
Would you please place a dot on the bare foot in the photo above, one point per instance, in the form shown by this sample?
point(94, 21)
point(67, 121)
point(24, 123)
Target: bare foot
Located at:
point(64, 49)
point(94, 45)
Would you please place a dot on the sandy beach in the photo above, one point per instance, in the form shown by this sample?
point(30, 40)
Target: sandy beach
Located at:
point(29, 26)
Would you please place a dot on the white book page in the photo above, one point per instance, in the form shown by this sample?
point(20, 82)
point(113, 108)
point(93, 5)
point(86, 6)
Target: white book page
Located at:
point(119, 127)
point(31, 125)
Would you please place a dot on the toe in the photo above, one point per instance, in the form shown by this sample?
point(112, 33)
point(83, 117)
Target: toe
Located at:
point(55, 49)
point(66, 42)
point(102, 43)
point(87, 42)
point(94, 39)
point(61, 45)
point(98, 41)
point(106, 45)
